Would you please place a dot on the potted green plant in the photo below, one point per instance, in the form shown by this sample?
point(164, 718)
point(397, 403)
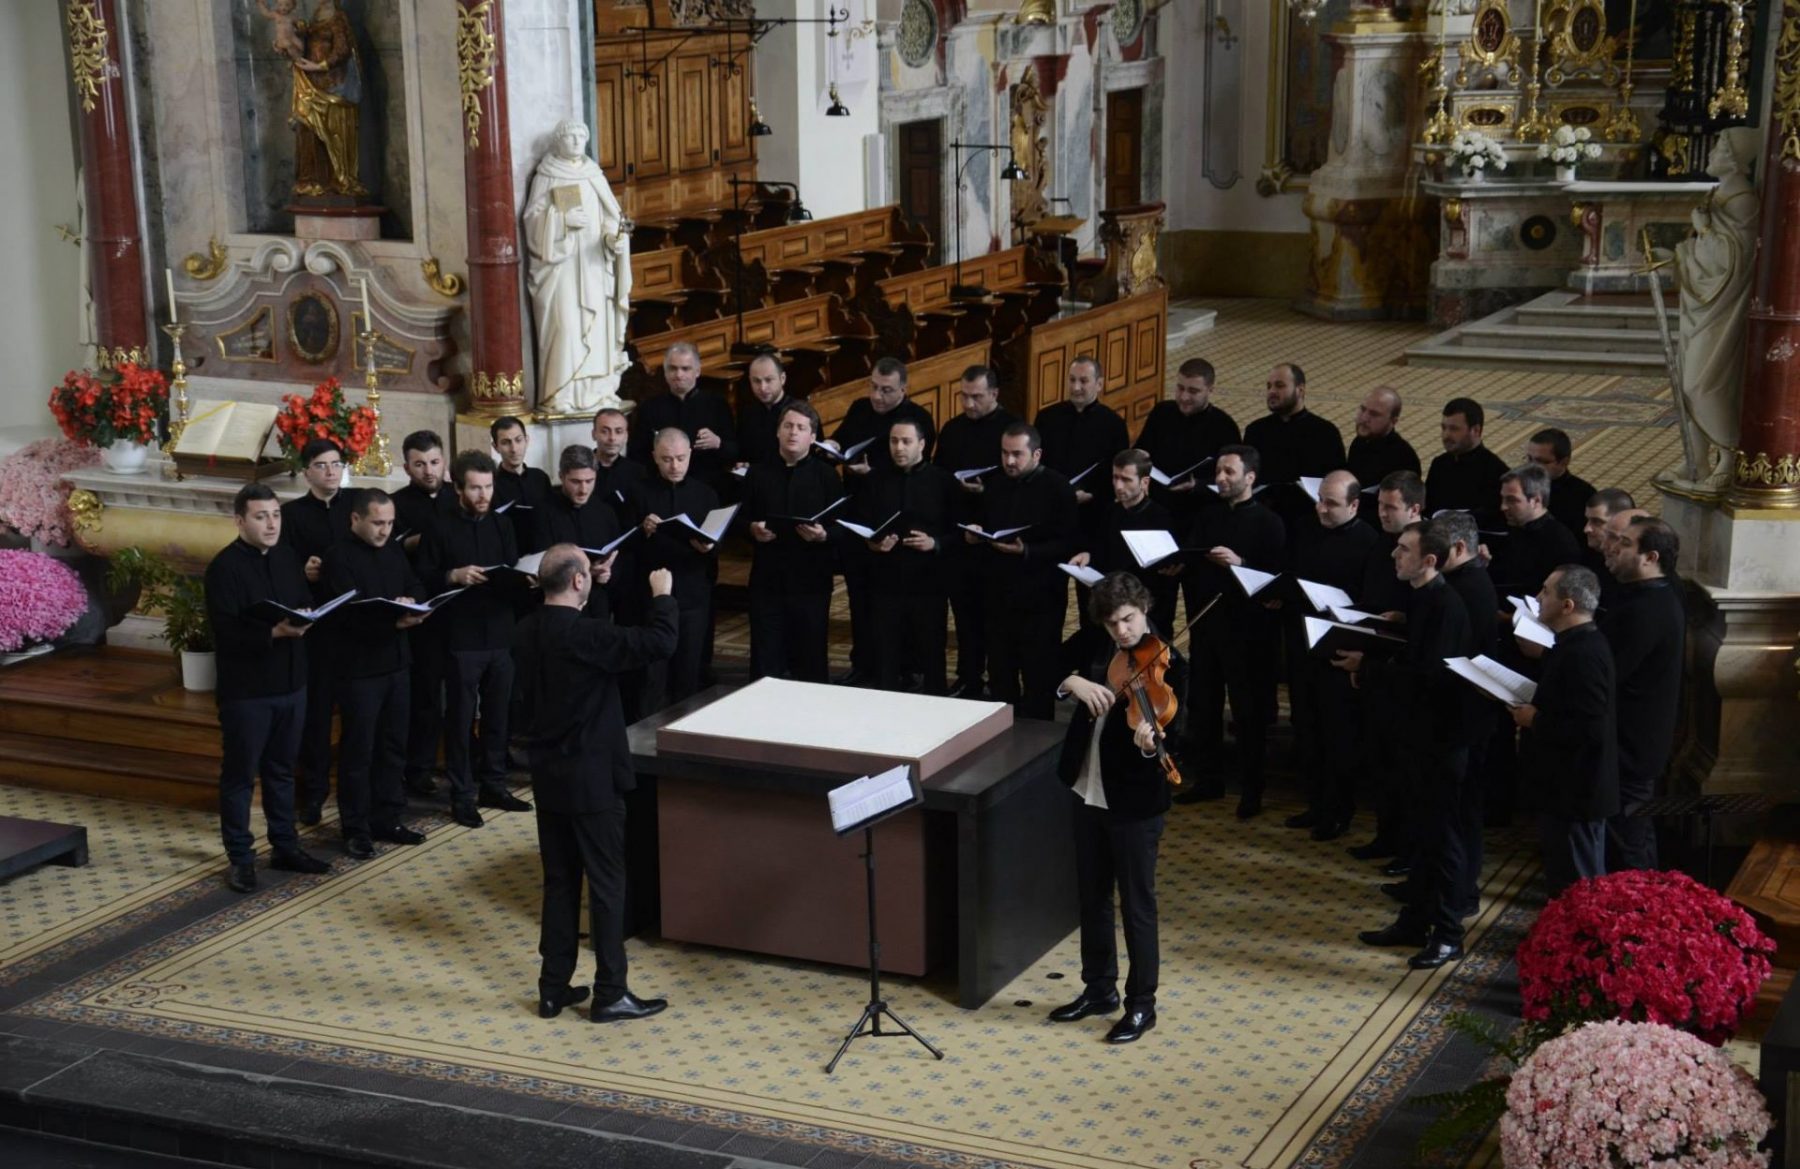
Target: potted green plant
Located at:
point(181, 599)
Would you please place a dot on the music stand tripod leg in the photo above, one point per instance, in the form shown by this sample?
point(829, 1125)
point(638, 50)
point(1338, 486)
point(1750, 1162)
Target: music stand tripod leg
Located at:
point(876, 1008)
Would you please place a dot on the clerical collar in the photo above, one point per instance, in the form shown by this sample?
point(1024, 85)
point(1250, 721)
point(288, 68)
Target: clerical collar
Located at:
point(1134, 508)
point(1244, 502)
point(253, 549)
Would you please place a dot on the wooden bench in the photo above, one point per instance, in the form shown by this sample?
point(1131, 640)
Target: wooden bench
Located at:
point(932, 382)
point(1129, 337)
point(797, 244)
point(778, 326)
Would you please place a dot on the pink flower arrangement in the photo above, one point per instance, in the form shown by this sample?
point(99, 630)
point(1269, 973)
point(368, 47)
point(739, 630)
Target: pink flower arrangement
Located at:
point(39, 599)
point(33, 499)
point(1622, 1095)
point(1643, 946)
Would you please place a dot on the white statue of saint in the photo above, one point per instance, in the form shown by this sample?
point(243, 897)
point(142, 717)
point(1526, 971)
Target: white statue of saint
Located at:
point(580, 278)
point(1714, 268)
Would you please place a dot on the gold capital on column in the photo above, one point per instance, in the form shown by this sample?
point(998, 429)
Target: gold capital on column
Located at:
point(87, 50)
point(1787, 81)
point(475, 57)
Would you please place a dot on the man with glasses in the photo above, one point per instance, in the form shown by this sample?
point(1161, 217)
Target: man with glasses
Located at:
point(310, 525)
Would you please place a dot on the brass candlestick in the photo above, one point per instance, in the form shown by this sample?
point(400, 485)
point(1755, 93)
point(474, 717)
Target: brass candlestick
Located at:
point(376, 460)
point(178, 416)
point(1624, 125)
point(1534, 126)
point(1732, 100)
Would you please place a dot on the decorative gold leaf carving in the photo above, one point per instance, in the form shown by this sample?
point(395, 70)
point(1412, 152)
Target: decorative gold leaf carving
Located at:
point(443, 283)
point(87, 50)
point(209, 265)
point(476, 56)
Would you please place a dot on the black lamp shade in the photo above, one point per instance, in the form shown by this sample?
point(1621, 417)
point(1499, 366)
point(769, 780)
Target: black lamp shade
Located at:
point(760, 129)
point(1014, 172)
point(838, 109)
point(798, 213)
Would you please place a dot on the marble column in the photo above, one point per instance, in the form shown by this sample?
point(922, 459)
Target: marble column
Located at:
point(496, 329)
point(1768, 460)
point(109, 177)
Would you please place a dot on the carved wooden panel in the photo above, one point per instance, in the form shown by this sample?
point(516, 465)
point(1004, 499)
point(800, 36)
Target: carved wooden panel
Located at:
point(1126, 336)
point(930, 288)
point(733, 142)
point(780, 325)
point(804, 243)
point(692, 112)
point(612, 123)
point(650, 126)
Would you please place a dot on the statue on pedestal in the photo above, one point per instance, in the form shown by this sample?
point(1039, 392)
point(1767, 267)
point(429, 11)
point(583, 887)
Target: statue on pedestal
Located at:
point(579, 242)
point(327, 104)
point(1714, 269)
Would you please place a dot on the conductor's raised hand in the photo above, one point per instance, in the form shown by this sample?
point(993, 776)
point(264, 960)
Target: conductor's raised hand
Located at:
point(662, 582)
point(1097, 698)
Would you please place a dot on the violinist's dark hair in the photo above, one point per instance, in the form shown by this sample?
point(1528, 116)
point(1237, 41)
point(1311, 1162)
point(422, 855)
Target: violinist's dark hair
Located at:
point(1114, 592)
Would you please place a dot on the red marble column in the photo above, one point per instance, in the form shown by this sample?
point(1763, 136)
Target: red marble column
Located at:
point(1768, 458)
point(497, 363)
point(109, 180)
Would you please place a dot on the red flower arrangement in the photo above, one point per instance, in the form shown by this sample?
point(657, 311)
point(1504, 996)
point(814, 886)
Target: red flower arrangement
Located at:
point(324, 415)
point(115, 405)
point(1643, 947)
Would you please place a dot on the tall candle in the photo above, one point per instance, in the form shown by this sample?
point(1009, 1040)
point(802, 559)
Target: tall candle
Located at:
point(368, 318)
point(169, 277)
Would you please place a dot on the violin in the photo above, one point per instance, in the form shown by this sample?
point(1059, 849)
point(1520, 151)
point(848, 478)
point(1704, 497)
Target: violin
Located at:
point(1140, 675)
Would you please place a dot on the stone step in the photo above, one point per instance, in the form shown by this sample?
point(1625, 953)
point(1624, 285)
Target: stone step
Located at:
point(1584, 316)
point(1562, 340)
point(1570, 361)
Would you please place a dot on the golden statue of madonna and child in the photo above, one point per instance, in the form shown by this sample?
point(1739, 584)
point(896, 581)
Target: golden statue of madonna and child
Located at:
point(328, 93)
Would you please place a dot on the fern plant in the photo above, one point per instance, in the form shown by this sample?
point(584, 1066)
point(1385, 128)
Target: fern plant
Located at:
point(180, 598)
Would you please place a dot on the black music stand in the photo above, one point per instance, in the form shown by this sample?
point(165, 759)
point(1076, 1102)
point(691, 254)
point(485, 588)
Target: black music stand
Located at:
point(877, 1006)
point(1706, 807)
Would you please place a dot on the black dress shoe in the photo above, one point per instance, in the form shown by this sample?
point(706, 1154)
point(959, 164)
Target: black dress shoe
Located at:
point(1306, 819)
point(359, 847)
point(296, 861)
point(504, 800)
point(552, 1004)
point(1087, 1004)
point(309, 815)
point(1330, 829)
point(1132, 1026)
point(398, 834)
point(1375, 850)
point(1396, 890)
point(628, 1007)
point(1435, 954)
point(1398, 867)
point(970, 690)
point(1398, 934)
point(1199, 793)
point(1249, 807)
point(241, 878)
point(421, 785)
point(466, 816)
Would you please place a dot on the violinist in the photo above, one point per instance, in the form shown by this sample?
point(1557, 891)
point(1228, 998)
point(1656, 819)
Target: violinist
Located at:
point(1130, 690)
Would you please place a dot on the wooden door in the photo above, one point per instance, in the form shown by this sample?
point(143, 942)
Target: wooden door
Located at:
point(613, 118)
point(1124, 147)
point(649, 157)
point(921, 179)
point(693, 113)
point(734, 141)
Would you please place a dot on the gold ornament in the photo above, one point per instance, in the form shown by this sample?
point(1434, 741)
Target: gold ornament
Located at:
point(84, 510)
point(443, 283)
point(207, 266)
point(475, 59)
point(87, 50)
point(1731, 100)
point(1787, 81)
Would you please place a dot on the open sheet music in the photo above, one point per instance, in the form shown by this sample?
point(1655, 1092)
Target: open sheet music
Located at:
point(1494, 679)
point(861, 802)
point(1157, 475)
point(275, 613)
point(1150, 547)
point(712, 528)
point(1326, 639)
point(1083, 574)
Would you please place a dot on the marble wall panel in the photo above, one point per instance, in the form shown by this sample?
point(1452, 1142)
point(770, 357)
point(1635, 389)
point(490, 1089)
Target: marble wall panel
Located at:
point(1079, 145)
point(969, 62)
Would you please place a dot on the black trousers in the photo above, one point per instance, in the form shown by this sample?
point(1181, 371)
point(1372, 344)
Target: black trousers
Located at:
point(260, 736)
point(668, 682)
point(1389, 785)
point(425, 716)
point(1228, 664)
point(577, 848)
point(968, 606)
point(1449, 840)
point(1631, 839)
point(313, 765)
point(1327, 730)
point(854, 561)
point(1113, 852)
point(909, 627)
point(372, 751)
point(789, 633)
point(1573, 850)
point(1024, 645)
point(476, 680)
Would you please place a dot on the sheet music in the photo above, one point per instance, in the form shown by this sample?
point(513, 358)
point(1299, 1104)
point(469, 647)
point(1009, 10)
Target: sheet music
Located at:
point(975, 473)
point(713, 526)
point(227, 430)
point(1083, 573)
point(862, 800)
point(1253, 580)
point(1494, 679)
point(1529, 628)
point(1311, 485)
point(1150, 547)
point(1323, 596)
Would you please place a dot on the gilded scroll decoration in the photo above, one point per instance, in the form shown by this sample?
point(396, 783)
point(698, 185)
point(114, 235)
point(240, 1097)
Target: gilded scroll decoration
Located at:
point(1787, 81)
point(443, 283)
point(1732, 100)
point(206, 265)
point(476, 56)
point(87, 50)
point(1029, 111)
point(1492, 47)
point(1579, 46)
point(84, 510)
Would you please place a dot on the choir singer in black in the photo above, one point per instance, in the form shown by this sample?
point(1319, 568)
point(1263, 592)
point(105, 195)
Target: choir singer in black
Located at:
point(1116, 775)
point(580, 769)
point(916, 500)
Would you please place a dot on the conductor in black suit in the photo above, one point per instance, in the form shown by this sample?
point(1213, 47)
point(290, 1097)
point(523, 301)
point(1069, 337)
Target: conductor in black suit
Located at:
point(1118, 825)
point(1573, 748)
point(569, 665)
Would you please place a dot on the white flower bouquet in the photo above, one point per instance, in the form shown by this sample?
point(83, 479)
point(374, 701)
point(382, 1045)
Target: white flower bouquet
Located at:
point(1570, 145)
point(1476, 153)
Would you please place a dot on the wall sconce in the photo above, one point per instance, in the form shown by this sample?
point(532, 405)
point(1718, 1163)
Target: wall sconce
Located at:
point(837, 108)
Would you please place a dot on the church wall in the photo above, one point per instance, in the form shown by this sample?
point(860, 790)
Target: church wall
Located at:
point(795, 64)
point(40, 282)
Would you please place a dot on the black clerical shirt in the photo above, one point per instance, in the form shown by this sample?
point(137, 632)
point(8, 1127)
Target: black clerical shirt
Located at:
point(1430, 699)
point(594, 524)
point(1471, 583)
point(483, 617)
point(1176, 441)
point(1373, 459)
point(1249, 529)
point(756, 430)
point(967, 444)
point(415, 511)
point(926, 498)
point(862, 422)
point(1469, 481)
point(364, 640)
point(529, 486)
point(700, 410)
point(310, 526)
point(1569, 497)
point(1525, 557)
point(1076, 439)
point(1110, 554)
point(252, 661)
point(670, 547)
point(1382, 591)
point(1300, 444)
point(1573, 749)
point(1647, 630)
point(1043, 503)
point(616, 484)
point(778, 495)
point(1334, 556)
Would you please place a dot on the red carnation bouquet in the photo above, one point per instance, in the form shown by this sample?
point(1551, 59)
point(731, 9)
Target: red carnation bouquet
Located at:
point(114, 405)
point(324, 415)
point(1643, 947)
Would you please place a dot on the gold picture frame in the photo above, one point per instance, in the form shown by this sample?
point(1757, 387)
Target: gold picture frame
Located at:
point(1579, 44)
point(262, 320)
point(1493, 43)
point(309, 313)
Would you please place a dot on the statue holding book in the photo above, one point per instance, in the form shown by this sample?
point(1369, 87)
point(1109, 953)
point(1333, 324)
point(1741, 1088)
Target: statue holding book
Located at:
point(579, 242)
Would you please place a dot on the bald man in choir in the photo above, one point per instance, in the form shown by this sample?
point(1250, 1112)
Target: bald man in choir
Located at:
point(1132, 510)
point(1646, 628)
point(757, 417)
point(702, 415)
point(1379, 449)
point(371, 674)
point(1572, 752)
point(689, 558)
point(909, 506)
point(867, 421)
point(569, 667)
point(1081, 435)
point(791, 574)
point(1029, 512)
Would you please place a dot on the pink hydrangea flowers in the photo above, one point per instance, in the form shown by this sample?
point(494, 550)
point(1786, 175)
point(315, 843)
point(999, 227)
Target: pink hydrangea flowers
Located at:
point(1644, 946)
point(33, 499)
point(1620, 1095)
point(39, 599)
